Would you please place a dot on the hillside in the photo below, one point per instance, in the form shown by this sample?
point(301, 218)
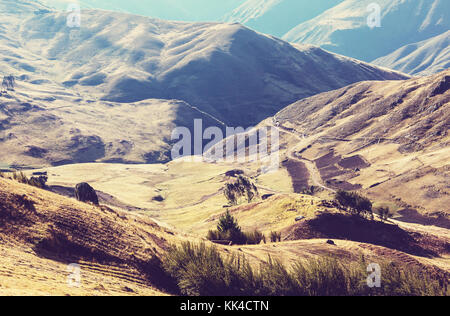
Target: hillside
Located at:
point(343, 29)
point(424, 58)
point(41, 233)
point(117, 251)
point(276, 17)
point(389, 139)
point(85, 130)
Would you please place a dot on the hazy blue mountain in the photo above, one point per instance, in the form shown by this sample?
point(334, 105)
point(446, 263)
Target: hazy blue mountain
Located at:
point(424, 58)
point(344, 28)
point(276, 17)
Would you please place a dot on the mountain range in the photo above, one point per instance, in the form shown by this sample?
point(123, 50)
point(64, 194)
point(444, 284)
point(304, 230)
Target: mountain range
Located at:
point(339, 26)
point(344, 29)
point(277, 17)
point(424, 58)
point(170, 72)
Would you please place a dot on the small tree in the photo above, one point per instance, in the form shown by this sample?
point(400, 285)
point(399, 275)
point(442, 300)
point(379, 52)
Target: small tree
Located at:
point(384, 213)
point(242, 187)
point(357, 204)
point(227, 223)
point(363, 205)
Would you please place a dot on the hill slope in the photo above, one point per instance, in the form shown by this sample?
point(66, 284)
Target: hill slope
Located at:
point(41, 233)
point(344, 30)
point(424, 58)
point(276, 17)
point(389, 139)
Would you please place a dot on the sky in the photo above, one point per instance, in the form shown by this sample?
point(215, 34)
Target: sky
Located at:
point(187, 10)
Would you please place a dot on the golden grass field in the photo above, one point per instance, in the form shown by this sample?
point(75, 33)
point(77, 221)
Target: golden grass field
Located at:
point(118, 241)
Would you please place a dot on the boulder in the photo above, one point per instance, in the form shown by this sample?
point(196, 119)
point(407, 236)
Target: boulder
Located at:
point(85, 193)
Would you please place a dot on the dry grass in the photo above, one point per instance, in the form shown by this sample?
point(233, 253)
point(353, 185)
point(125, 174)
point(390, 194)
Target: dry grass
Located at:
point(202, 270)
point(41, 233)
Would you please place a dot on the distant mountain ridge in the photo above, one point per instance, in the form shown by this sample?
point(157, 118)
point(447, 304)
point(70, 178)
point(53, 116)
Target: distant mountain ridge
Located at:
point(343, 29)
point(183, 10)
point(424, 58)
point(276, 17)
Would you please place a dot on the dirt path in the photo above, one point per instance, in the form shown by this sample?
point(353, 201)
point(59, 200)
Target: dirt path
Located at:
point(316, 179)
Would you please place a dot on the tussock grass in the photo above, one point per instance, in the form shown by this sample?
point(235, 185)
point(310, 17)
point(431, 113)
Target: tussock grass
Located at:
point(201, 270)
point(275, 237)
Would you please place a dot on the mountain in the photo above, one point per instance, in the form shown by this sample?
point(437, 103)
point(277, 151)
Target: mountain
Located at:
point(276, 17)
point(423, 58)
point(389, 139)
point(183, 10)
point(226, 70)
point(114, 89)
point(344, 29)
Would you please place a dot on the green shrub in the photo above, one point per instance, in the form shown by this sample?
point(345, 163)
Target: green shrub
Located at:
point(384, 213)
point(356, 203)
point(228, 223)
point(254, 238)
point(242, 187)
point(202, 270)
point(228, 230)
point(39, 182)
point(20, 177)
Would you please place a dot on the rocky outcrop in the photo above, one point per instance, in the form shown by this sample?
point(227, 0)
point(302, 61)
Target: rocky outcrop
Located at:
point(85, 193)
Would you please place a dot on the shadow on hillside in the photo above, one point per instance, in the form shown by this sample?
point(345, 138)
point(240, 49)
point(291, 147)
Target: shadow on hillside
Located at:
point(347, 227)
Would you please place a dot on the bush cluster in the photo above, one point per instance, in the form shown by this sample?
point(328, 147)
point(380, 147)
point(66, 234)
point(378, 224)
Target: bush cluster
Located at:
point(242, 187)
point(39, 182)
point(355, 203)
point(200, 270)
point(275, 237)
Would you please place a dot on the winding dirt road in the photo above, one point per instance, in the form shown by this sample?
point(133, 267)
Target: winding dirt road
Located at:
point(315, 177)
